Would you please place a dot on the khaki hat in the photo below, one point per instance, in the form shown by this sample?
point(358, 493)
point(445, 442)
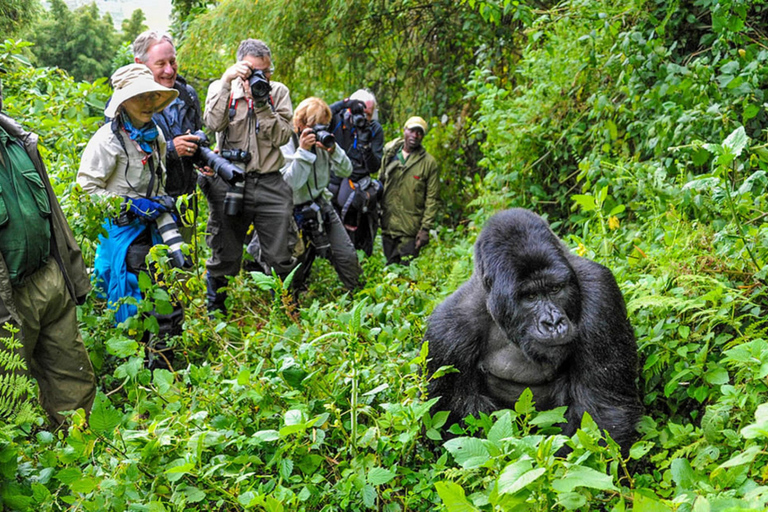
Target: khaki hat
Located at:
point(416, 122)
point(134, 79)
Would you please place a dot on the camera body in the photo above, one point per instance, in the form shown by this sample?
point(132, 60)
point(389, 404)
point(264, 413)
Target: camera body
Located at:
point(235, 155)
point(259, 85)
point(323, 136)
point(223, 166)
point(357, 114)
point(310, 220)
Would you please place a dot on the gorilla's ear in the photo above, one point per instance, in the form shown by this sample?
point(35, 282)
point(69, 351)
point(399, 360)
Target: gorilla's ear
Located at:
point(480, 265)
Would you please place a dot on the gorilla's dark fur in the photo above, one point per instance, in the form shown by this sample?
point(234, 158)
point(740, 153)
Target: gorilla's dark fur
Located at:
point(533, 315)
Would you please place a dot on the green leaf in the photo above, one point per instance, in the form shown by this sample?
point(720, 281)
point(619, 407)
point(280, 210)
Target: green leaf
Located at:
point(104, 417)
point(502, 429)
point(286, 468)
point(84, 485)
point(580, 476)
point(640, 449)
point(586, 202)
point(267, 435)
point(549, 418)
point(518, 475)
point(682, 473)
point(643, 503)
point(524, 404)
point(736, 141)
point(176, 472)
point(454, 498)
point(294, 417)
point(717, 376)
point(369, 496)
point(380, 476)
point(469, 452)
point(122, 347)
point(163, 380)
point(69, 475)
point(571, 500)
point(760, 427)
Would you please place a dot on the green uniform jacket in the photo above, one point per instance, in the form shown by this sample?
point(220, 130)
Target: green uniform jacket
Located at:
point(64, 248)
point(411, 193)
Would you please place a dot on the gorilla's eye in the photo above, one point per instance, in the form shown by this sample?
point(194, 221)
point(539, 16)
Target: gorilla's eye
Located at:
point(530, 295)
point(555, 288)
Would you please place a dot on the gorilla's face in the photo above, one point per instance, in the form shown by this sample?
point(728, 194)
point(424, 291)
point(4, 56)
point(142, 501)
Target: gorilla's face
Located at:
point(533, 295)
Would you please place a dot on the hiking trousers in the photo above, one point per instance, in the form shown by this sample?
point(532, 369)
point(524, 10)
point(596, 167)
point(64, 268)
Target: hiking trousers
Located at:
point(52, 346)
point(268, 205)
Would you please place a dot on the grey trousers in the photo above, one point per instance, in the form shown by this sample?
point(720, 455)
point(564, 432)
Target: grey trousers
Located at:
point(267, 204)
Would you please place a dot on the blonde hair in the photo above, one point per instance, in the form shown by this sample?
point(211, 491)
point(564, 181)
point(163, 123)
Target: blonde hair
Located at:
point(310, 112)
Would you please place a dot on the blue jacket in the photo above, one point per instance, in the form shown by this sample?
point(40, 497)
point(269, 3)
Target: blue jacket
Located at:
point(182, 177)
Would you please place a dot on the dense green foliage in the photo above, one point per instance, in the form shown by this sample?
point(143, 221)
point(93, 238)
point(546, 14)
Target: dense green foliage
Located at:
point(637, 128)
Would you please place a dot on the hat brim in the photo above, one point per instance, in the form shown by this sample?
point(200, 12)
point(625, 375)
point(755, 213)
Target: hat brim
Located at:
point(414, 126)
point(140, 87)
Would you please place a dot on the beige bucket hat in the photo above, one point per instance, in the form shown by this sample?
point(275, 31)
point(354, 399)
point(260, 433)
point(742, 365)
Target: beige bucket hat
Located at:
point(134, 79)
point(416, 122)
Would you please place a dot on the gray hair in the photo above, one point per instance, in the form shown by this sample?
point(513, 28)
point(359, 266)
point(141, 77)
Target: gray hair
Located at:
point(253, 48)
point(365, 96)
point(147, 40)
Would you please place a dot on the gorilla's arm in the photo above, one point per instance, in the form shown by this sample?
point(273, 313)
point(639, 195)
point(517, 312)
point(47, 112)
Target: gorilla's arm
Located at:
point(457, 335)
point(604, 365)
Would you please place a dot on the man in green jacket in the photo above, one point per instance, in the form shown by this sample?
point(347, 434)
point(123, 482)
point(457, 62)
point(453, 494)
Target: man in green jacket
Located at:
point(409, 203)
point(42, 277)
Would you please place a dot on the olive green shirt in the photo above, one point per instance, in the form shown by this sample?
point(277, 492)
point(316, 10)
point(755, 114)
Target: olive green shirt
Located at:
point(25, 230)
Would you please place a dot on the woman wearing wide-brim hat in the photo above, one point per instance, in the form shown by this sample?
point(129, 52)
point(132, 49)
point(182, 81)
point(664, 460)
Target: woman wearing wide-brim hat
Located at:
point(126, 158)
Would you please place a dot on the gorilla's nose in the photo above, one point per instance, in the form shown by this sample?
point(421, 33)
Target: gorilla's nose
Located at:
point(554, 323)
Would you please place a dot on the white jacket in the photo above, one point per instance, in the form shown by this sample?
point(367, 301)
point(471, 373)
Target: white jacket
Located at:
point(106, 170)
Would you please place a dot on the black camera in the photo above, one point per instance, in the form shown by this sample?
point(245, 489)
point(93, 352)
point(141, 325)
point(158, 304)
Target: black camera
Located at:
point(259, 84)
point(235, 155)
point(228, 171)
point(357, 114)
point(310, 220)
point(323, 136)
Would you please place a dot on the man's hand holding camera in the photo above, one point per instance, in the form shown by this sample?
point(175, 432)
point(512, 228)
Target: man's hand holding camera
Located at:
point(186, 145)
point(241, 70)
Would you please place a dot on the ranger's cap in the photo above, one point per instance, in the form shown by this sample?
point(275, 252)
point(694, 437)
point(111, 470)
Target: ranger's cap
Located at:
point(416, 122)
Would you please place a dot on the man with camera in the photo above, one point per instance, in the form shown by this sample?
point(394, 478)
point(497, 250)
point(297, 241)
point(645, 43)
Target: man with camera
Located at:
point(362, 138)
point(178, 120)
point(251, 116)
point(42, 277)
point(311, 155)
point(409, 204)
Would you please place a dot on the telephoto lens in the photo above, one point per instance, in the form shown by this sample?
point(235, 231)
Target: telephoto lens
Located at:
point(228, 171)
point(233, 200)
point(169, 231)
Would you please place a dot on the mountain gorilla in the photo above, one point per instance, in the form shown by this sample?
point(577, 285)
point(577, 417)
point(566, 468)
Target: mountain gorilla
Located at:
point(535, 316)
